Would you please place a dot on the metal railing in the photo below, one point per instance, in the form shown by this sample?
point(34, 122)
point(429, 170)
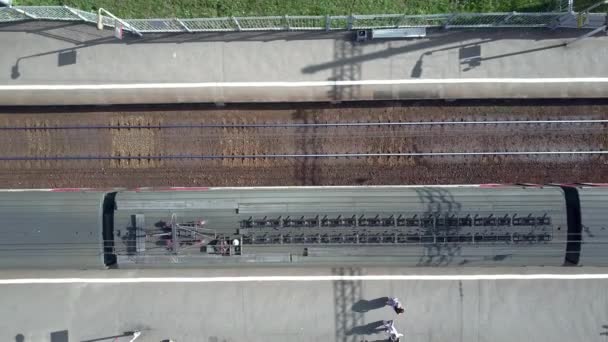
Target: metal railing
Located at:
point(292, 23)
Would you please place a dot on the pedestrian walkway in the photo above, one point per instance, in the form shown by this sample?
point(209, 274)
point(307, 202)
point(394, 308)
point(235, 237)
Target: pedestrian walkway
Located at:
point(70, 63)
point(229, 309)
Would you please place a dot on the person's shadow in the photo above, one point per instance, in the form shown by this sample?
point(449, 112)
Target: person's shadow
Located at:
point(367, 329)
point(367, 305)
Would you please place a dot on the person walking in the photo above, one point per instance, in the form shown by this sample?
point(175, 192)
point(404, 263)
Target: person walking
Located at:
point(396, 305)
point(393, 334)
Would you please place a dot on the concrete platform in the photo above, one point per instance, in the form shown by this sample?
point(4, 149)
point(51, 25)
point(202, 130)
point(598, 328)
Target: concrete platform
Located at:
point(67, 63)
point(346, 310)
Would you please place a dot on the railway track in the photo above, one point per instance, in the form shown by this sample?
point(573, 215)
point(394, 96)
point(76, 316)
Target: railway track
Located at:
point(296, 140)
point(428, 144)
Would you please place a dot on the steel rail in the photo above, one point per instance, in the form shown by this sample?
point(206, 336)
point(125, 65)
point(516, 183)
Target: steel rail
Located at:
point(284, 156)
point(297, 125)
point(369, 132)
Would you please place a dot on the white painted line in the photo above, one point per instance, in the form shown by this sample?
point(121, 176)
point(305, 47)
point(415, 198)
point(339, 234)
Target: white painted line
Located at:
point(26, 190)
point(100, 190)
point(246, 279)
point(296, 84)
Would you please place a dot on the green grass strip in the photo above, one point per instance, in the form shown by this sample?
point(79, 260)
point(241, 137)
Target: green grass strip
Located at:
point(223, 8)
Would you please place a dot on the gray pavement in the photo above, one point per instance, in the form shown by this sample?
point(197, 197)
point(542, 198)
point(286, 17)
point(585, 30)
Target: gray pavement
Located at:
point(77, 54)
point(469, 310)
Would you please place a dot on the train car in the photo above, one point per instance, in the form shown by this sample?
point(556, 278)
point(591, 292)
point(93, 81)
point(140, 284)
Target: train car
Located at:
point(381, 225)
point(408, 226)
point(45, 229)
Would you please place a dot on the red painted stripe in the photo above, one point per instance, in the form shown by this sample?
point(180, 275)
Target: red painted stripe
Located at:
point(71, 189)
point(195, 188)
point(87, 189)
point(569, 185)
point(171, 188)
point(493, 185)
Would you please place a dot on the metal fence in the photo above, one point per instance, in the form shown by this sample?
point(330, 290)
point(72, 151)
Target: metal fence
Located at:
point(291, 23)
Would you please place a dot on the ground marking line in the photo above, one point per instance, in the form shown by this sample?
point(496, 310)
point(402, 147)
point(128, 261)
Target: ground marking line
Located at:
point(243, 279)
point(287, 84)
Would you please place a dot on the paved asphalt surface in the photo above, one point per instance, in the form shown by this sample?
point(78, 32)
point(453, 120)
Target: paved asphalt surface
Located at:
point(436, 310)
point(60, 53)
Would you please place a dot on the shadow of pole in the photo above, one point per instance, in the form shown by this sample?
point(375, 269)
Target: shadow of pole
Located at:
point(114, 337)
point(346, 293)
point(342, 59)
point(481, 37)
point(308, 143)
point(60, 336)
point(439, 203)
point(62, 53)
point(522, 52)
point(345, 50)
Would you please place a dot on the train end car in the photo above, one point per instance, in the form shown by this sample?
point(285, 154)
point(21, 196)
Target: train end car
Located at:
point(594, 225)
point(51, 229)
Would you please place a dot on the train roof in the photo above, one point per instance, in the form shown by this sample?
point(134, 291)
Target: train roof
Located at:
point(51, 229)
point(438, 199)
point(501, 212)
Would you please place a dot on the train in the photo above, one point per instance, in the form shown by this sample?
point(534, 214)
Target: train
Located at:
point(449, 225)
